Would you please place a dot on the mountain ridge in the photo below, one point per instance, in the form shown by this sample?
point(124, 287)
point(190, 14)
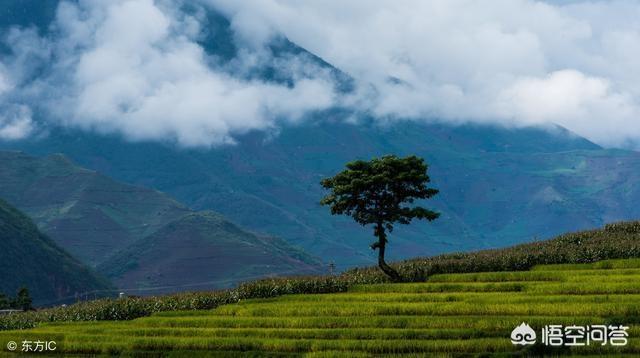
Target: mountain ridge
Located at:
point(163, 258)
point(104, 222)
point(62, 197)
point(30, 259)
point(269, 184)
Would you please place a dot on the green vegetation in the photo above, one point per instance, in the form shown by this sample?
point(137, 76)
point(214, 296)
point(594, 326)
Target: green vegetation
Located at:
point(27, 257)
point(372, 193)
point(617, 240)
point(450, 314)
point(22, 301)
point(475, 272)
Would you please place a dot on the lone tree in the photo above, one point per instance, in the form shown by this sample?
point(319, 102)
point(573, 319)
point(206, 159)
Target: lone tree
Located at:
point(23, 300)
point(374, 192)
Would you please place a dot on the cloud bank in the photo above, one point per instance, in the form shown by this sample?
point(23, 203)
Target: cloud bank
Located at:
point(515, 62)
point(137, 67)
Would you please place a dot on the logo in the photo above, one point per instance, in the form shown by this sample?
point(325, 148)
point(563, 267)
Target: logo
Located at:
point(523, 335)
point(572, 336)
point(32, 346)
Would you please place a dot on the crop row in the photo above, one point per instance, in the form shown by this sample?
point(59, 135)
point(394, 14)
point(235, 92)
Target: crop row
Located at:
point(591, 274)
point(629, 263)
point(436, 308)
point(110, 344)
point(583, 251)
point(335, 322)
point(578, 287)
point(367, 333)
point(478, 297)
point(450, 317)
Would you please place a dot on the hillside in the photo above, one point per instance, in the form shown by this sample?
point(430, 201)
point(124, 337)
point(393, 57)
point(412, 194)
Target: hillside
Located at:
point(588, 279)
point(489, 179)
point(202, 250)
point(616, 241)
point(30, 259)
point(84, 212)
point(139, 237)
point(455, 314)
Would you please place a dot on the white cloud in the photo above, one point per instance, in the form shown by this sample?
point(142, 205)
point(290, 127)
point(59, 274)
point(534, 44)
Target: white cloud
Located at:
point(516, 62)
point(15, 122)
point(135, 66)
point(576, 101)
point(144, 75)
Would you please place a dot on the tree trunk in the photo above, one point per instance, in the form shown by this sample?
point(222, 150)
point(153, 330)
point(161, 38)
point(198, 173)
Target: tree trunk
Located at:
point(381, 245)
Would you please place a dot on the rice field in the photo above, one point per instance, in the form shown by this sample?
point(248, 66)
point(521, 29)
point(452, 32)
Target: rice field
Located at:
point(449, 315)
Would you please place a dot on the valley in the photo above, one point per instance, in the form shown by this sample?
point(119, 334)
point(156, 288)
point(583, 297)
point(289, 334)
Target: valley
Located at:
point(141, 239)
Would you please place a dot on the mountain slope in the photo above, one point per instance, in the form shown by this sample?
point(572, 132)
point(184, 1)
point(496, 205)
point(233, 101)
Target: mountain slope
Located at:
point(138, 236)
point(87, 213)
point(207, 249)
point(497, 186)
point(28, 258)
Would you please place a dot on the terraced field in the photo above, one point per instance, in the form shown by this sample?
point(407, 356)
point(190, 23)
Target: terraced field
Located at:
point(450, 315)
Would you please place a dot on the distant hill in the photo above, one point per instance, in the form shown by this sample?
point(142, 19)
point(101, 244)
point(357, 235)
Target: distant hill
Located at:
point(29, 258)
point(498, 186)
point(86, 213)
point(207, 249)
point(140, 237)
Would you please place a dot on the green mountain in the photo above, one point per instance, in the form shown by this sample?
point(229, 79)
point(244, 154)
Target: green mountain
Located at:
point(30, 259)
point(498, 186)
point(86, 213)
point(207, 249)
point(139, 237)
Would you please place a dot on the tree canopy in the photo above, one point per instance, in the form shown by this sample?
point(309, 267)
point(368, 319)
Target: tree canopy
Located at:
point(380, 192)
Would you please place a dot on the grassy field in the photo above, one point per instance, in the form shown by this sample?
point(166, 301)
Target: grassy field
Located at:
point(449, 315)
